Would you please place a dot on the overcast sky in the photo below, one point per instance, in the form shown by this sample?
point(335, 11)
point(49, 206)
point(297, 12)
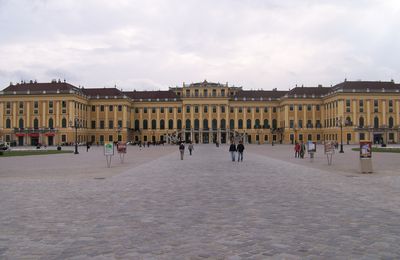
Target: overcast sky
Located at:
point(156, 44)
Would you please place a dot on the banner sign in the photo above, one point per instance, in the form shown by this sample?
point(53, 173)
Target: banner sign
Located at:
point(311, 147)
point(108, 149)
point(365, 149)
point(121, 147)
point(329, 147)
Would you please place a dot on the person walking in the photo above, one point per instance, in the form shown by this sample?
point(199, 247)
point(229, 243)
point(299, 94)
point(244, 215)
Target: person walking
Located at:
point(302, 150)
point(191, 148)
point(87, 146)
point(297, 150)
point(182, 149)
point(232, 150)
point(240, 149)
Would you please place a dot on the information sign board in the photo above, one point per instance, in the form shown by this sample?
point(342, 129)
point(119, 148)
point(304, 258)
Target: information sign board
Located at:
point(311, 147)
point(108, 149)
point(365, 149)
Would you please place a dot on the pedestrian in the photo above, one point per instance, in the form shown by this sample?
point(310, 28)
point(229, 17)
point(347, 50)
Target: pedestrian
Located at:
point(182, 149)
point(240, 149)
point(302, 149)
point(191, 148)
point(87, 146)
point(232, 150)
point(297, 150)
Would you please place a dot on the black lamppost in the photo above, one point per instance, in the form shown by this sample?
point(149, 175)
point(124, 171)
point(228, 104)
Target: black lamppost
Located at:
point(76, 125)
point(341, 135)
point(119, 133)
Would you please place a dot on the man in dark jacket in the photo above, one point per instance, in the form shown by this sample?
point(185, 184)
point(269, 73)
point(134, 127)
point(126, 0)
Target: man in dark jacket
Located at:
point(232, 150)
point(240, 149)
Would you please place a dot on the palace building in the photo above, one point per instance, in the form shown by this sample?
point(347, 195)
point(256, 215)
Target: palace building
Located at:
point(53, 113)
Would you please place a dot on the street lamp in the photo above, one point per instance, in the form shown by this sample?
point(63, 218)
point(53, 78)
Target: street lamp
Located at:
point(341, 135)
point(119, 131)
point(76, 125)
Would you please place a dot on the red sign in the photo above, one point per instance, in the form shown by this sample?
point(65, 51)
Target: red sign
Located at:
point(121, 148)
point(20, 134)
point(34, 134)
point(49, 134)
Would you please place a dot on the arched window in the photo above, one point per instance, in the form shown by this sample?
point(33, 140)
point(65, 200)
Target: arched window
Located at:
point(205, 124)
point(376, 122)
point(64, 123)
point(145, 126)
point(257, 124)
point(214, 124)
point(248, 124)
point(137, 124)
point(153, 124)
point(187, 124)
point(240, 124)
point(348, 121)
point(266, 123)
point(223, 124)
point(51, 123)
point(21, 123)
point(196, 124)
point(232, 124)
point(35, 123)
point(8, 123)
point(179, 124)
point(361, 122)
point(274, 124)
point(170, 124)
point(162, 124)
point(390, 122)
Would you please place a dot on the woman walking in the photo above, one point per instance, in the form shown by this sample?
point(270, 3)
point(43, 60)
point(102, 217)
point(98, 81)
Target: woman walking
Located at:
point(232, 150)
point(182, 149)
point(191, 148)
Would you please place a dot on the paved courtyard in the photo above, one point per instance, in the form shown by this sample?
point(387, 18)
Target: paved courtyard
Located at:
point(155, 206)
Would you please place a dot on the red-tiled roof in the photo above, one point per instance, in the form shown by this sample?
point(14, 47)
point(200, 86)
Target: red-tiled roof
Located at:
point(145, 95)
point(364, 85)
point(308, 91)
point(257, 94)
point(102, 92)
point(53, 86)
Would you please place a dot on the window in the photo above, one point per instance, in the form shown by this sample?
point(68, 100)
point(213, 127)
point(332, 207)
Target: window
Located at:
point(309, 124)
point(274, 110)
point(214, 93)
point(21, 123)
point(390, 122)
point(223, 124)
point(265, 109)
point(137, 124)
point(170, 109)
point(153, 124)
point(93, 124)
point(376, 122)
point(170, 124)
point(205, 93)
point(214, 124)
point(162, 124)
point(196, 92)
point(119, 123)
point(291, 107)
point(119, 108)
point(240, 124)
point(232, 109)
point(274, 124)
point(161, 110)
point(153, 110)
point(249, 110)
point(205, 124)
point(317, 107)
point(8, 104)
point(179, 109)
point(145, 110)
point(179, 124)
point(222, 109)
point(102, 108)
point(63, 138)
point(188, 92)
point(361, 122)
point(196, 109)
point(240, 109)
point(376, 106)
point(390, 106)
point(51, 123)
point(232, 124)
point(110, 108)
point(8, 123)
point(145, 126)
point(93, 108)
point(309, 137)
point(300, 125)
point(196, 124)
point(223, 92)
point(300, 107)
point(318, 124)
point(205, 109)
point(110, 138)
point(362, 136)
point(214, 109)
point(50, 107)
point(291, 123)
point(187, 109)
point(266, 124)
point(257, 110)
point(110, 124)
point(248, 123)
point(136, 110)
point(309, 107)
point(257, 124)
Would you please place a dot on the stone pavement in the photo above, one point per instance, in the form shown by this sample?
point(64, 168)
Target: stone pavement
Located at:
point(204, 207)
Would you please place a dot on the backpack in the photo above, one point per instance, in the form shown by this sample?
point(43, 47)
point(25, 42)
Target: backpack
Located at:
point(181, 147)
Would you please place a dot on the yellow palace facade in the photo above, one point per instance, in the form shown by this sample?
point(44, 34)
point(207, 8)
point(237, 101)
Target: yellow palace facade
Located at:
point(58, 112)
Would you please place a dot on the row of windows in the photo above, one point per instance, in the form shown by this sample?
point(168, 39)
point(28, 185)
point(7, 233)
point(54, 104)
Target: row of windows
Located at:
point(308, 125)
point(110, 108)
point(205, 109)
point(81, 123)
point(204, 93)
point(300, 107)
point(334, 122)
point(196, 124)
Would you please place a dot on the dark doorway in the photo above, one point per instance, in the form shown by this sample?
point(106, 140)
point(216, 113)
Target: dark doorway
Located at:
point(20, 140)
point(223, 138)
point(378, 139)
point(34, 141)
point(50, 141)
point(205, 138)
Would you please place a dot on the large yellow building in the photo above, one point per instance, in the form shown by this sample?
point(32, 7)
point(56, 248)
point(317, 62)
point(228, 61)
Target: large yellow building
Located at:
point(53, 113)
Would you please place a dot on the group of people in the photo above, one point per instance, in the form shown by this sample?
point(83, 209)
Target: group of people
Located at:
point(239, 149)
point(299, 150)
point(182, 149)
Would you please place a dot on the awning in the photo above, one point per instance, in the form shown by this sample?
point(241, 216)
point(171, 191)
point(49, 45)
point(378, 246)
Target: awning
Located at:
point(20, 134)
point(34, 134)
point(49, 134)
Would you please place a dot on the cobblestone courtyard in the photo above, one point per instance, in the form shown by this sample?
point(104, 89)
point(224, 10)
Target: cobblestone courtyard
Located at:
point(155, 206)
